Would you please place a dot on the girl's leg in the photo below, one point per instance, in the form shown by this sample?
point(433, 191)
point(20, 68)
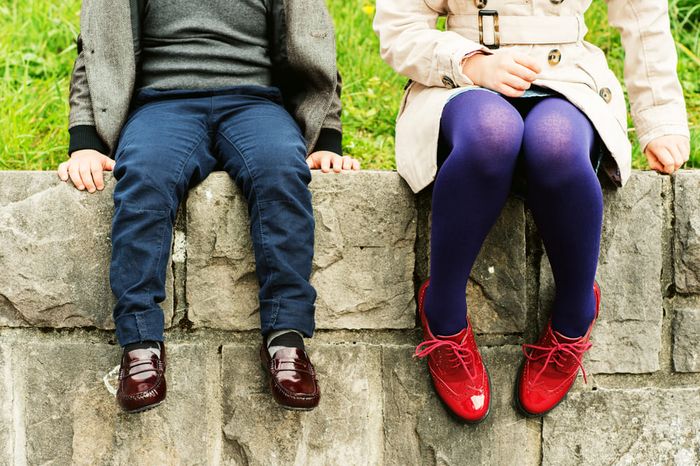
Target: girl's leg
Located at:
point(565, 198)
point(482, 133)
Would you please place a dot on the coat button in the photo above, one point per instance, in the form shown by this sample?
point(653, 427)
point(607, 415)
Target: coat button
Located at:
point(447, 81)
point(480, 3)
point(554, 57)
point(606, 94)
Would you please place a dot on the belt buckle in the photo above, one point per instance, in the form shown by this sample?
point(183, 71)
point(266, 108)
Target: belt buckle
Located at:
point(496, 32)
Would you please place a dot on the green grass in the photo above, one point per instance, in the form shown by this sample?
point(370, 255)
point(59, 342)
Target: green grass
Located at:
point(37, 51)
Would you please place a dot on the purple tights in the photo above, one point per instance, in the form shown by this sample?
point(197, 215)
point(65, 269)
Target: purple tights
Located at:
point(484, 134)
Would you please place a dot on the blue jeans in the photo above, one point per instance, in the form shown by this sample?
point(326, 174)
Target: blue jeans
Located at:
point(171, 141)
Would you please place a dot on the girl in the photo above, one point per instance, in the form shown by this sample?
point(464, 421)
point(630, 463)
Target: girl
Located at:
point(513, 82)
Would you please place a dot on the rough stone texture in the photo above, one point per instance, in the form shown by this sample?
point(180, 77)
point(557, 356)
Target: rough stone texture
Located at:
point(179, 267)
point(687, 232)
point(54, 253)
point(346, 428)
point(71, 418)
point(686, 340)
point(363, 265)
point(496, 290)
point(6, 430)
point(419, 430)
point(627, 336)
point(617, 427)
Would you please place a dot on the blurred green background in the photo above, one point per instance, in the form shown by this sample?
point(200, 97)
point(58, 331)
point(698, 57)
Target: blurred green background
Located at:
point(37, 51)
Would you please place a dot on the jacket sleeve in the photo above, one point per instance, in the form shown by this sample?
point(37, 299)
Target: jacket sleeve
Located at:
point(331, 136)
point(411, 44)
point(656, 97)
point(83, 133)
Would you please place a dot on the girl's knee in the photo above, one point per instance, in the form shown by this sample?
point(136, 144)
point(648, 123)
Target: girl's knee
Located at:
point(557, 138)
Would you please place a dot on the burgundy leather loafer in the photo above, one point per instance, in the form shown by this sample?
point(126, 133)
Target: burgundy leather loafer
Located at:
point(292, 378)
point(141, 380)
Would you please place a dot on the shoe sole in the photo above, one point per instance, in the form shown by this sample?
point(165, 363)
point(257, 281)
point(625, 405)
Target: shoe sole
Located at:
point(290, 408)
point(453, 415)
point(142, 409)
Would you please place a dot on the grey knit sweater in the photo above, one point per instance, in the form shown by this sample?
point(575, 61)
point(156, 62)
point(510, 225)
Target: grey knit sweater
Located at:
point(205, 44)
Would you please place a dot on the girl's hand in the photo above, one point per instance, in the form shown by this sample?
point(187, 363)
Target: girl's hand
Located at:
point(85, 169)
point(666, 154)
point(508, 73)
point(326, 160)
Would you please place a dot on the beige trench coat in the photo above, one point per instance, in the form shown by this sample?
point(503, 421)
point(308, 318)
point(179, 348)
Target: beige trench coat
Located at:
point(550, 31)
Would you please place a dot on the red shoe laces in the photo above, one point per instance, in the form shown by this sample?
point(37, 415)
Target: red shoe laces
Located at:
point(557, 354)
point(458, 354)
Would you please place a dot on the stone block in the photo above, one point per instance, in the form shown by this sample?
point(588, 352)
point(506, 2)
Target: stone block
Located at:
point(6, 415)
point(627, 336)
point(686, 340)
point(362, 269)
point(420, 431)
point(71, 418)
point(496, 290)
point(54, 253)
point(346, 428)
point(687, 231)
point(647, 426)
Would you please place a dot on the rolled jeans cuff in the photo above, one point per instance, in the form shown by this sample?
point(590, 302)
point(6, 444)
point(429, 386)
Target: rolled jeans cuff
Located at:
point(136, 327)
point(287, 314)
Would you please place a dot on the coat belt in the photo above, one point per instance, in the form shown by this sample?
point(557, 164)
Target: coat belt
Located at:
point(491, 29)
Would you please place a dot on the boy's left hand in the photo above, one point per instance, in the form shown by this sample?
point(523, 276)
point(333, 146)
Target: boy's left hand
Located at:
point(326, 161)
point(666, 154)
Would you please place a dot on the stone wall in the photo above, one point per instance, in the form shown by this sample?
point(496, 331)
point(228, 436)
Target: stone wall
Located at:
point(57, 350)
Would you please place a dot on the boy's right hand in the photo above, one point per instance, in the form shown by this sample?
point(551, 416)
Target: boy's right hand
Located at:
point(85, 169)
point(508, 73)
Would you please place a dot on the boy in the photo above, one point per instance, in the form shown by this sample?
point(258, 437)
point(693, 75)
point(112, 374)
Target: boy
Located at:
point(163, 93)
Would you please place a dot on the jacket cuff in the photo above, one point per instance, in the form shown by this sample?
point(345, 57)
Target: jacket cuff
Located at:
point(461, 79)
point(662, 120)
point(330, 140)
point(85, 137)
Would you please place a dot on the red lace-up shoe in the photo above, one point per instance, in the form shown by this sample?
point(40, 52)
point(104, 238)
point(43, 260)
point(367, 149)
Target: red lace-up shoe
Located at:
point(458, 373)
point(550, 368)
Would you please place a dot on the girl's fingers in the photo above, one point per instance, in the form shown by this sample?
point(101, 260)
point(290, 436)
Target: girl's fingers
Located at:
point(63, 171)
point(516, 83)
point(527, 62)
point(355, 165)
point(677, 156)
point(97, 176)
point(310, 162)
point(337, 163)
point(509, 91)
point(347, 162)
point(73, 171)
point(522, 72)
point(684, 150)
point(666, 159)
point(86, 176)
point(654, 163)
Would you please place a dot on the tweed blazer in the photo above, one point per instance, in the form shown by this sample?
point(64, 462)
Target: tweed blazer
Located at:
point(302, 50)
point(552, 33)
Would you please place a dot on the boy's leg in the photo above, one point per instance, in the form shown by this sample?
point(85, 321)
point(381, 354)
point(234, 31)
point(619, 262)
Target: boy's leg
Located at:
point(164, 148)
point(262, 148)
